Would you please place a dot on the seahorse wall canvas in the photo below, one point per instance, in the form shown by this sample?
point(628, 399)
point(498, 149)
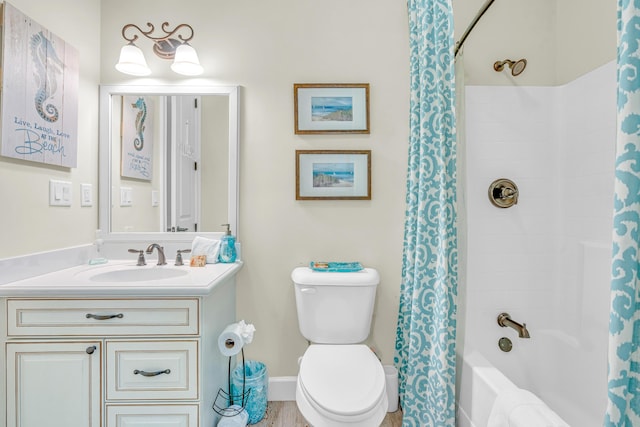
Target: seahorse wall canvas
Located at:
point(39, 92)
point(137, 137)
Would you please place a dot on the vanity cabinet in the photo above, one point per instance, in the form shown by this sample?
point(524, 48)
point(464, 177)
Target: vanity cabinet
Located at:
point(116, 362)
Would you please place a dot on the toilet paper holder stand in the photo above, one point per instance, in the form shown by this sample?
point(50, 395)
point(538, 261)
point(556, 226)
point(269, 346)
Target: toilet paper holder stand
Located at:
point(223, 401)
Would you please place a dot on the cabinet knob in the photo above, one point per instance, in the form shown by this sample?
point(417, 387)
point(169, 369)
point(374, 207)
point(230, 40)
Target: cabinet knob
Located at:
point(91, 349)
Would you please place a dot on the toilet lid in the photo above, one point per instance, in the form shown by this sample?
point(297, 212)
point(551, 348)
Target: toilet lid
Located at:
point(342, 379)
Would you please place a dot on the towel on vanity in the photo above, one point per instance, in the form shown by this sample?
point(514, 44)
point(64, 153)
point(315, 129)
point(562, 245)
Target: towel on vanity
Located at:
point(208, 247)
point(521, 408)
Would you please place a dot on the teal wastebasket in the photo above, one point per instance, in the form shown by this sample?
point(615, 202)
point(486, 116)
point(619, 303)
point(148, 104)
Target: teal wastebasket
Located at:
point(256, 380)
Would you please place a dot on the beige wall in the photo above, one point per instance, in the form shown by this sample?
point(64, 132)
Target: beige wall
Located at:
point(266, 47)
point(215, 169)
point(586, 36)
point(561, 39)
point(28, 223)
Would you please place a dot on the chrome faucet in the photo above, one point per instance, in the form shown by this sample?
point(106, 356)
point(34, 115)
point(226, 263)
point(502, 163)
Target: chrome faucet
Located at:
point(504, 320)
point(161, 259)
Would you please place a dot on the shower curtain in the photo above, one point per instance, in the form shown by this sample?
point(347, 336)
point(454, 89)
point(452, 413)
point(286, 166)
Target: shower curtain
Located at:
point(426, 330)
point(623, 408)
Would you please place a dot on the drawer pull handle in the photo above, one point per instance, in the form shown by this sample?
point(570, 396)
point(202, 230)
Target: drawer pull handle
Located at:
point(151, 374)
point(91, 349)
point(104, 316)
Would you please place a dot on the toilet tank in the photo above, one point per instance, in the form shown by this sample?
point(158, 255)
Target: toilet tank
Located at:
point(335, 308)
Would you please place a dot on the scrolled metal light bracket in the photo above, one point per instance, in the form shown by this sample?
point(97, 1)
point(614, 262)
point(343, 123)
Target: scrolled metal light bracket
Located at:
point(164, 45)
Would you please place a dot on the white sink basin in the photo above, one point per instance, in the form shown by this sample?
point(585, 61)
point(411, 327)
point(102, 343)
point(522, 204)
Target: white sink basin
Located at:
point(141, 274)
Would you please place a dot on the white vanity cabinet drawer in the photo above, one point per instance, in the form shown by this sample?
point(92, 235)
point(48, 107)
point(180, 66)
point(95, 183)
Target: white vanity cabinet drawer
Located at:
point(102, 317)
point(152, 415)
point(145, 370)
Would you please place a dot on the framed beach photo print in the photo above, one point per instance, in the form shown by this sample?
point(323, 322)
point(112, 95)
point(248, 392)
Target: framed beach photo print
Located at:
point(333, 174)
point(331, 108)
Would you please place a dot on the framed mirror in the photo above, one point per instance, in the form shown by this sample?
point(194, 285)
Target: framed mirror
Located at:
point(168, 159)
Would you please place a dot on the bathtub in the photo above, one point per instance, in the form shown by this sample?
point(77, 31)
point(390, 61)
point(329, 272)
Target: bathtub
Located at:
point(480, 385)
point(564, 362)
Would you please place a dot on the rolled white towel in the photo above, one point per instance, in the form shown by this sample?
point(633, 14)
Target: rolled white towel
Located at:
point(208, 247)
point(521, 408)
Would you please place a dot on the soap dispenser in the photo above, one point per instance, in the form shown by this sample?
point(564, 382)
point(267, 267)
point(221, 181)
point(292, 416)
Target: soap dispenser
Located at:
point(227, 246)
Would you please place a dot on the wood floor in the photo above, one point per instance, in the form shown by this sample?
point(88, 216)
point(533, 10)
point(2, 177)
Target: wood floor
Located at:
point(285, 414)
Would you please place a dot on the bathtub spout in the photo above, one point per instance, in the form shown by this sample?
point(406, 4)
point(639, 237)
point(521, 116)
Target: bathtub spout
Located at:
point(504, 320)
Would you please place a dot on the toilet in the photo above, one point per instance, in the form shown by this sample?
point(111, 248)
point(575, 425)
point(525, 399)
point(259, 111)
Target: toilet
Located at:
point(341, 382)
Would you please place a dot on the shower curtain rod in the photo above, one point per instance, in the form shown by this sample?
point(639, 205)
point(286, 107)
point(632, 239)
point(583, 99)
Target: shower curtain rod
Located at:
point(481, 12)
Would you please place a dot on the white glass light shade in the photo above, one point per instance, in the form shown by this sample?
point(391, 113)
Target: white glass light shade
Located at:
point(186, 61)
point(132, 61)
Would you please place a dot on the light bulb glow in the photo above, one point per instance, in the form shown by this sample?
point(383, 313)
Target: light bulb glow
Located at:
point(186, 61)
point(132, 61)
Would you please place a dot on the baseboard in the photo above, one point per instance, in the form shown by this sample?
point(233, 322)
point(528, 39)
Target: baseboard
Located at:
point(282, 389)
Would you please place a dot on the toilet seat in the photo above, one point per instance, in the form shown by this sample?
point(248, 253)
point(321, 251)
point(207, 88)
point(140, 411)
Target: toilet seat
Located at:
point(343, 382)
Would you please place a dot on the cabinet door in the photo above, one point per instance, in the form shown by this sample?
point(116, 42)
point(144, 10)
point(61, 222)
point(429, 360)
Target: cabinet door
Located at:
point(53, 384)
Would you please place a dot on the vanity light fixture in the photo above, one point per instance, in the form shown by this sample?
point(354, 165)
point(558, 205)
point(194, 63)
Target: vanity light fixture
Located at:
point(184, 56)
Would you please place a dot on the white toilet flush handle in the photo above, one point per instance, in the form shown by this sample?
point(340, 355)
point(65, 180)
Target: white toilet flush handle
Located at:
point(308, 290)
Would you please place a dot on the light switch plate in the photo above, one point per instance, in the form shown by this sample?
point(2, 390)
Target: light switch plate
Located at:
point(126, 196)
point(155, 198)
point(86, 195)
point(60, 193)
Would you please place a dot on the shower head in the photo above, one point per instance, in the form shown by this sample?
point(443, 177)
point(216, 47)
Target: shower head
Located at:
point(517, 67)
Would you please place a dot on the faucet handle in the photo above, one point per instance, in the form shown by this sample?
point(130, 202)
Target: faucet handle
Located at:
point(140, 252)
point(179, 256)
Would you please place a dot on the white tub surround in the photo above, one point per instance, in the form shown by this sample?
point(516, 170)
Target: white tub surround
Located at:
point(547, 260)
point(85, 347)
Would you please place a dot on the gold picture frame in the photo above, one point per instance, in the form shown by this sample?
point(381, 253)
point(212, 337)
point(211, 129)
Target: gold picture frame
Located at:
point(325, 108)
point(333, 174)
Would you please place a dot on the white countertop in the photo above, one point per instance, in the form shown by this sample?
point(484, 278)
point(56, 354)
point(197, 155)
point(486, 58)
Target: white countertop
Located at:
point(81, 281)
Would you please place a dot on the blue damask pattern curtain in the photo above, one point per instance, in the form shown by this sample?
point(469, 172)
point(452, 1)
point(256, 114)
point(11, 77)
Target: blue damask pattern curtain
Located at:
point(623, 409)
point(425, 342)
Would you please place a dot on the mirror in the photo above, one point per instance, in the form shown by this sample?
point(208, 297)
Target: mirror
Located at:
point(168, 161)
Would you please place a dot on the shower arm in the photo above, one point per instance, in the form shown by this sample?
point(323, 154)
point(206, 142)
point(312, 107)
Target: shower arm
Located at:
point(499, 65)
point(481, 12)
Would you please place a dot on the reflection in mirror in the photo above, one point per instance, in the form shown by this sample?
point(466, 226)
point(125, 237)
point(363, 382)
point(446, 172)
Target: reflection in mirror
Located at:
point(168, 158)
point(160, 172)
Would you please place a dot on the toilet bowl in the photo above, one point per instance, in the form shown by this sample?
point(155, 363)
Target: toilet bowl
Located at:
point(341, 382)
point(341, 385)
